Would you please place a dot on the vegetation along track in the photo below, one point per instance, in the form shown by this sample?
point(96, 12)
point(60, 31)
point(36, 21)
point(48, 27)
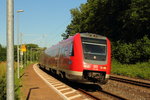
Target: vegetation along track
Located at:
point(133, 82)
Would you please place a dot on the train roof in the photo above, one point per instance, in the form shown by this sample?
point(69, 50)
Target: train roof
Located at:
point(89, 35)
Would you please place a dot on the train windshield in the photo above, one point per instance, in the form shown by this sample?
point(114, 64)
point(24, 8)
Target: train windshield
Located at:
point(94, 49)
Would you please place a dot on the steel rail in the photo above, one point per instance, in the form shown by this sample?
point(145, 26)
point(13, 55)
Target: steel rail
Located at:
point(113, 95)
point(133, 82)
point(88, 94)
point(104, 92)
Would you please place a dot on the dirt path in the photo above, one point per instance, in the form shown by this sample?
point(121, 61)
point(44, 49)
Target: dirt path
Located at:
point(34, 88)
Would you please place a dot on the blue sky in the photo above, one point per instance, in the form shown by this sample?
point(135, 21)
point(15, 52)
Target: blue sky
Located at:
point(42, 22)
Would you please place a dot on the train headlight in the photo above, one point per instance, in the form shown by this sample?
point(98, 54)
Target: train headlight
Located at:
point(86, 66)
point(103, 67)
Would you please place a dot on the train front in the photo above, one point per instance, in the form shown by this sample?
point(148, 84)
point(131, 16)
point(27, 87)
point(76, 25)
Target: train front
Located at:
point(96, 58)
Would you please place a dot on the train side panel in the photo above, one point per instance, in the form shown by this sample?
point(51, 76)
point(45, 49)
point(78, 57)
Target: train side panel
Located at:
point(77, 58)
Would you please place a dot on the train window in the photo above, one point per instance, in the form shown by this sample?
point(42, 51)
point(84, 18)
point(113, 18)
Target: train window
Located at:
point(94, 49)
point(94, 52)
point(62, 51)
point(66, 50)
point(92, 40)
point(71, 52)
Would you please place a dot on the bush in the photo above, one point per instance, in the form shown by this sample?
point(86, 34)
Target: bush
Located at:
point(132, 53)
point(2, 88)
point(142, 49)
point(122, 52)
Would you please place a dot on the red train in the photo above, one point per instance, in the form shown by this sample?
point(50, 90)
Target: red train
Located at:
point(84, 57)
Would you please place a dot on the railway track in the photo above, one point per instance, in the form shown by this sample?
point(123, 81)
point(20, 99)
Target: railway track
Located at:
point(69, 93)
point(133, 82)
point(70, 90)
point(77, 91)
point(107, 94)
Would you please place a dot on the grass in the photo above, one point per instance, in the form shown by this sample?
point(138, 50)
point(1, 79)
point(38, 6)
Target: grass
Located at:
point(3, 80)
point(2, 68)
point(139, 70)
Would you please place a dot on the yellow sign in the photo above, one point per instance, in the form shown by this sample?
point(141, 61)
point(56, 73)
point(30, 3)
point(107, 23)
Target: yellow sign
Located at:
point(23, 48)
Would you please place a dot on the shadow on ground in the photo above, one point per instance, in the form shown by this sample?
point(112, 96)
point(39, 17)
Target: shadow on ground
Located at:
point(30, 90)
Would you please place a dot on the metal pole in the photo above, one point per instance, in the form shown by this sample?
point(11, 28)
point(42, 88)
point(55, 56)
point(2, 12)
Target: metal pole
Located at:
point(10, 50)
point(30, 55)
point(18, 44)
point(25, 60)
point(21, 52)
point(27, 55)
point(18, 32)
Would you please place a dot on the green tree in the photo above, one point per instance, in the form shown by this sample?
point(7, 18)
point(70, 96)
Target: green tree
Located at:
point(126, 21)
point(136, 21)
